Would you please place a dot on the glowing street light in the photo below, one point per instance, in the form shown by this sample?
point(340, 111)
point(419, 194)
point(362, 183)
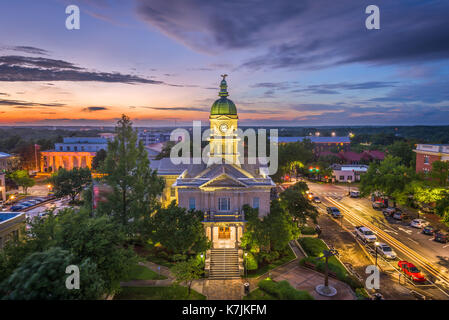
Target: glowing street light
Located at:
point(333, 134)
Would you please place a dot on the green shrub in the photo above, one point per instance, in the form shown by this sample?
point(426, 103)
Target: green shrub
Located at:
point(178, 257)
point(283, 290)
point(269, 286)
point(312, 246)
point(361, 294)
point(287, 292)
point(306, 230)
point(251, 262)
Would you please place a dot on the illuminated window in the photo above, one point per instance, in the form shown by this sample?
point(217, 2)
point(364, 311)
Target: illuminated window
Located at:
point(224, 204)
point(192, 203)
point(426, 159)
point(256, 203)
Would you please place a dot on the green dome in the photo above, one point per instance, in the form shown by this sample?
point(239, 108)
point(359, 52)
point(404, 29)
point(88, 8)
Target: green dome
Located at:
point(223, 106)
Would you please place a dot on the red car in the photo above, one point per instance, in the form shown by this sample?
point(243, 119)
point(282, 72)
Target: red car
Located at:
point(411, 271)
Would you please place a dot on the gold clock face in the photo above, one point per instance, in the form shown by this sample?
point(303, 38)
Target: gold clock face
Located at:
point(224, 128)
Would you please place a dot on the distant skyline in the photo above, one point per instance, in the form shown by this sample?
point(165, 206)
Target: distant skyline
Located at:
point(290, 63)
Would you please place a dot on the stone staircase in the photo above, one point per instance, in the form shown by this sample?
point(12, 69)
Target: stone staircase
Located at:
point(224, 264)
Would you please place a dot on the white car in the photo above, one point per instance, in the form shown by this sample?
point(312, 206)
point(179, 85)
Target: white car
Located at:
point(365, 234)
point(386, 251)
point(419, 223)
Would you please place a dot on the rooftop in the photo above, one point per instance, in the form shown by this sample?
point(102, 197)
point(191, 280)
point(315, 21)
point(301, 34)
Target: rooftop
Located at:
point(4, 155)
point(314, 139)
point(8, 215)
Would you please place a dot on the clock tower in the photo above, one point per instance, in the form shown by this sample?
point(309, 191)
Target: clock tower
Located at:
point(223, 126)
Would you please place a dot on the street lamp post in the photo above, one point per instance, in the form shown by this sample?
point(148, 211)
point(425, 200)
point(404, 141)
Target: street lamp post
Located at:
point(327, 290)
point(349, 187)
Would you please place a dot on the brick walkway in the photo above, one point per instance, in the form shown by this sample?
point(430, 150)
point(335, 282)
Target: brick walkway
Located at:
point(223, 289)
point(305, 279)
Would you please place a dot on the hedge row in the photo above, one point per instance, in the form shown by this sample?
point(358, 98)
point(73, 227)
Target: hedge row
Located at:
point(283, 290)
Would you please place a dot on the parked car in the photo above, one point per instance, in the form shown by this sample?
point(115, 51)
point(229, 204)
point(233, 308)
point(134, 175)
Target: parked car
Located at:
point(26, 204)
point(354, 194)
point(365, 234)
point(378, 205)
point(400, 215)
point(334, 212)
point(16, 207)
point(419, 223)
point(388, 212)
point(441, 237)
point(386, 251)
point(411, 271)
point(428, 230)
point(316, 199)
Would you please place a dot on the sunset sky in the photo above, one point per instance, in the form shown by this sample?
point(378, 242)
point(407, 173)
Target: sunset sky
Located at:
point(289, 63)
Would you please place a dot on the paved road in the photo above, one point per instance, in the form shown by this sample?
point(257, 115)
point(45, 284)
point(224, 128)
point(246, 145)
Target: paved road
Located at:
point(56, 204)
point(409, 243)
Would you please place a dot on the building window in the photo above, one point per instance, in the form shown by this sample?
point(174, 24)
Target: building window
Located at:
point(256, 203)
point(349, 178)
point(60, 148)
point(224, 204)
point(82, 148)
point(172, 192)
point(426, 159)
point(342, 178)
point(192, 203)
point(76, 148)
point(67, 148)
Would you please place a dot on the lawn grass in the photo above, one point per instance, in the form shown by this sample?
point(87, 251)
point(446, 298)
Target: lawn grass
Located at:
point(314, 248)
point(267, 267)
point(139, 272)
point(272, 290)
point(259, 294)
point(158, 293)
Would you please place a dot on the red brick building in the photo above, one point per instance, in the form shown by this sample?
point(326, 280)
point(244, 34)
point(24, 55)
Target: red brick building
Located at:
point(426, 154)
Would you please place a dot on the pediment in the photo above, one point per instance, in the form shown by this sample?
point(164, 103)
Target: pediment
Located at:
point(223, 180)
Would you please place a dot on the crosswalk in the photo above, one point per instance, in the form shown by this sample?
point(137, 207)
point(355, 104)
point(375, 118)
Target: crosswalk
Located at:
point(331, 194)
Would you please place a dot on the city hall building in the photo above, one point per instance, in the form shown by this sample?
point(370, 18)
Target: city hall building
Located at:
point(73, 152)
point(219, 190)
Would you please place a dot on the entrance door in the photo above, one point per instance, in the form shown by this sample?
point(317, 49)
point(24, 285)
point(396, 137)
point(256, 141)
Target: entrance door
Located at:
point(224, 233)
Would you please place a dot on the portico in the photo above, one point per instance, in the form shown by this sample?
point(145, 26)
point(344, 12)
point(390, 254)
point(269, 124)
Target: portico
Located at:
point(54, 160)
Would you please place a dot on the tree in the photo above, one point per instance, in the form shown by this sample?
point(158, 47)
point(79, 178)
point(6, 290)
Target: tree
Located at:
point(135, 187)
point(280, 227)
point(98, 239)
point(402, 150)
point(165, 152)
point(301, 152)
point(70, 182)
point(255, 236)
point(294, 201)
point(86, 237)
point(388, 177)
point(440, 172)
point(22, 179)
point(41, 276)
point(187, 271)
point(99, 158)
point(178, 230)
